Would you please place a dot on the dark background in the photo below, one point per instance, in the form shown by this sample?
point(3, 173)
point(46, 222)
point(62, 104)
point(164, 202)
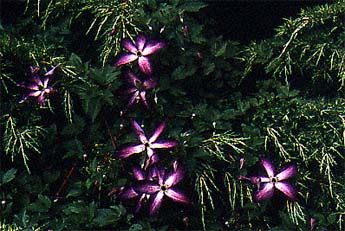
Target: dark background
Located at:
point(253, 20)
point(241, 20)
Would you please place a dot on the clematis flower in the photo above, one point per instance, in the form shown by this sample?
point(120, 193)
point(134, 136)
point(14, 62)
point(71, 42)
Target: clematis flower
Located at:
point(131, 192)
point(38, 87)
point(139, 51)
point(164, 186)
point(138, 88)
point(273, 181)
point(147, 145)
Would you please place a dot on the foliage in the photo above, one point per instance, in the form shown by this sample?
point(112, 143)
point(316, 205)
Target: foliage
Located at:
point(227, 104)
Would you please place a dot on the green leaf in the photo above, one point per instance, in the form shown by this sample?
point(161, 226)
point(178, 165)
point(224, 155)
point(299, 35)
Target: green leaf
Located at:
point(8, 176)
point(209, 67)
point(136, 227)
point(106, 217)
point(182, 72)
point(221, 50)
point(74, 193)
point(50, 177)
point(104, 76)
point(75, 60)
point(192, 6)
point(42, 204)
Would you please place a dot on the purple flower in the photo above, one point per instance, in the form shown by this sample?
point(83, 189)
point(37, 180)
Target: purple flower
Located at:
point(139, 51)
point(131, 192)
point(268, 184)
point(38, 87)
point(138, 88)
point(164, 185)
point(147, 144)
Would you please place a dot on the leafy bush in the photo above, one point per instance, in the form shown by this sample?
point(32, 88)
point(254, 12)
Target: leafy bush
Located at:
point(72, 162)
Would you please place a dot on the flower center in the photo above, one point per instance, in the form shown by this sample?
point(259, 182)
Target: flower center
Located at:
point(273, 179)
point(164, 187)
point(139, 53)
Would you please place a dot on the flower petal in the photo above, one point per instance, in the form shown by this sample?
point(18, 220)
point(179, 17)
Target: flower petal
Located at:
point(124, 59)
point(154, 159)
point(287, 173)
point(132, 79)
point(161, 176)
point(37, 80)
point(151, 160)
point(128, 91)
point(176, 195)
point(150, 152)
point(263, 179)
point(138, 173)
point(287, 189)
point(41, 99)
point(145, 65)
point(34, 93)
point(34, 70)
point(51, 72)
point(164, 144)
point(32, 86)
point(140, 42)
point(143, 197)
point(128, 194)
point(156, 202)
point(157, 132)
point(126, 152)
point(149, 188)
point(152, 47)
point(153, 174)
point(45, 82)
point(175, 177)
point(143, 99)
point(176, 165)
point(25, 97)
point(265, 193)
point(150, 83)
point(126, 43)
point(268, 167)
point(133, 99)
point(139, 132)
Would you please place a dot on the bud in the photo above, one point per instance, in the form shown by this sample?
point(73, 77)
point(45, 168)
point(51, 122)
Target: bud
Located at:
point(186, 221)
point(242, 160)
point(312, 223)
point(161, 30)
point(199, 54)
point(185, 30)
point(112, 32)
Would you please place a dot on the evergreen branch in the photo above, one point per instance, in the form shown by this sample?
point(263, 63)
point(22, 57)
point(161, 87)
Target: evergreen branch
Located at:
point(20, 140)
point(274, 135)
point(217, 143)
point(296, 213)
point(326, 163)
point(203, 186)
